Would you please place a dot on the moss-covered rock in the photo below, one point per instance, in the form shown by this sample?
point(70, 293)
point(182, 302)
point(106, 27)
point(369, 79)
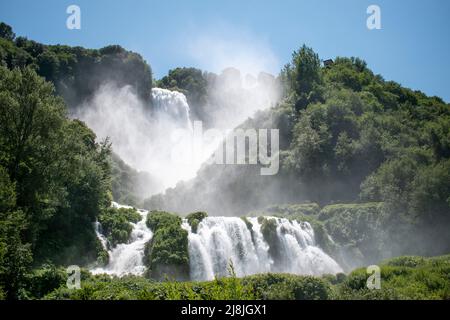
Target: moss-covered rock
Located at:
point(116, 225)
point(160, 219)
point(294, 209)
point(358, 228)
point(102, 254)
point(195, 218)
point(269, 232)
point(166, 255)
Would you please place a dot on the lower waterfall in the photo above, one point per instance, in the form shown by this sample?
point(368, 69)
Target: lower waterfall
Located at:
point(220, 241)
point(126, 258)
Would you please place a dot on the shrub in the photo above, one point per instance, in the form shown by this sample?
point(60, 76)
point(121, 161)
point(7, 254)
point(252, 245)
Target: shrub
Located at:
point(116, 224)
point(195, 218)
point(44, 280)
point(167, 252)
point(288, 287)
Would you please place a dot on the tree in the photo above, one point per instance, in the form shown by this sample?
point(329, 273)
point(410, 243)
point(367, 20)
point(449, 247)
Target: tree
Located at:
point(304, 76)
point(6, 32)
point(15, 257)
point(60, 174)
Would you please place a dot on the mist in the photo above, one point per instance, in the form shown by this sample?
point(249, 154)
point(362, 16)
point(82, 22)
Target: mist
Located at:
point(143, 134)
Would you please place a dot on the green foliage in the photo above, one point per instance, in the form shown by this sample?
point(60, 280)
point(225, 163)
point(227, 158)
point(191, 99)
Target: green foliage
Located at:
point(138, 288)
point(195, 218)
point(360, 228)
point(77, 72)
point(116, 225)
point(44, 280)
point(414, 278)
point(101, 253)
point(269, 232)
point(401, 278)
point(6, 32)
point(15, 256)
point(288, 287)
point(350, 73)
point(309, 209)
point(193, 84)
point(167, 252)
point(54, 176)
point(129, 185)
point(161, 219)
point(266, 286)
point(303, 77)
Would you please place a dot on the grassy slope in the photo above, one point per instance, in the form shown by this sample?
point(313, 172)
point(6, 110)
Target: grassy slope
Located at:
point(408, 277)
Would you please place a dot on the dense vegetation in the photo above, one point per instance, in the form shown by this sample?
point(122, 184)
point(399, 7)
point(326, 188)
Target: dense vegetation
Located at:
point(77, 72)
point(129, 185)
point(346, 136)
point(401, 278)
point(54, 180)
point(193, 84)
point(367, 159)
point(195, 218)
point(116, 225)
point(167, 253)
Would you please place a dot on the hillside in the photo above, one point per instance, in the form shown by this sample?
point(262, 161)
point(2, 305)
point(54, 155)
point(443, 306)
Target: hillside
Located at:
point(346, 136)
point(364, 176)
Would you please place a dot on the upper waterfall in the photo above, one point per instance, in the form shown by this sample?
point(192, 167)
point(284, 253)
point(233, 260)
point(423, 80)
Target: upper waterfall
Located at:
point(172, 104)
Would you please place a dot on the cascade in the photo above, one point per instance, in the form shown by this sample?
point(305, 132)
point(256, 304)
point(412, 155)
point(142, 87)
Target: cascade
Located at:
point(127, 258)
point(220, 241)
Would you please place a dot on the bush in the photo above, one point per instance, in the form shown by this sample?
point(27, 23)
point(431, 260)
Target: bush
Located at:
point(358, 226)
point(167, 252)
point(288, 287)
point(116, 225)
point(195, 218)
point(294, 209)
point(414, 278)
point(44, 280)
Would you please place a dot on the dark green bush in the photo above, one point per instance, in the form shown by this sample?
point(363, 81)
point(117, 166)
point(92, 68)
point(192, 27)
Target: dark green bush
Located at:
point(167, 253)
point(116, 225)
point(195, 218)
point(44, 280)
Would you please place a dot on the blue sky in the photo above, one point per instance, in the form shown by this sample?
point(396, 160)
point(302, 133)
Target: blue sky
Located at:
point(412, 47)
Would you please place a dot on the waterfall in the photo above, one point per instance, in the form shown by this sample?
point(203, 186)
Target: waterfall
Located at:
point(127, 258)
point(173, 105)
point(223, 241)
point(141, 136)
point(220, 241)
point(100, 236)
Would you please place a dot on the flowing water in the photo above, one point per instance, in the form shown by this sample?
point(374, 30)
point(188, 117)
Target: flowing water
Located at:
point(220, 241)
point(172, 105)
point(141, 137)
point(223, 241)
point(127, 258)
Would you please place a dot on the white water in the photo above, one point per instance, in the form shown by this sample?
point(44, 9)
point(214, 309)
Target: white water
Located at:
point(173, 106)
point(127, 258)
point(100, 236)
point(221, 240)
point(142, 136)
